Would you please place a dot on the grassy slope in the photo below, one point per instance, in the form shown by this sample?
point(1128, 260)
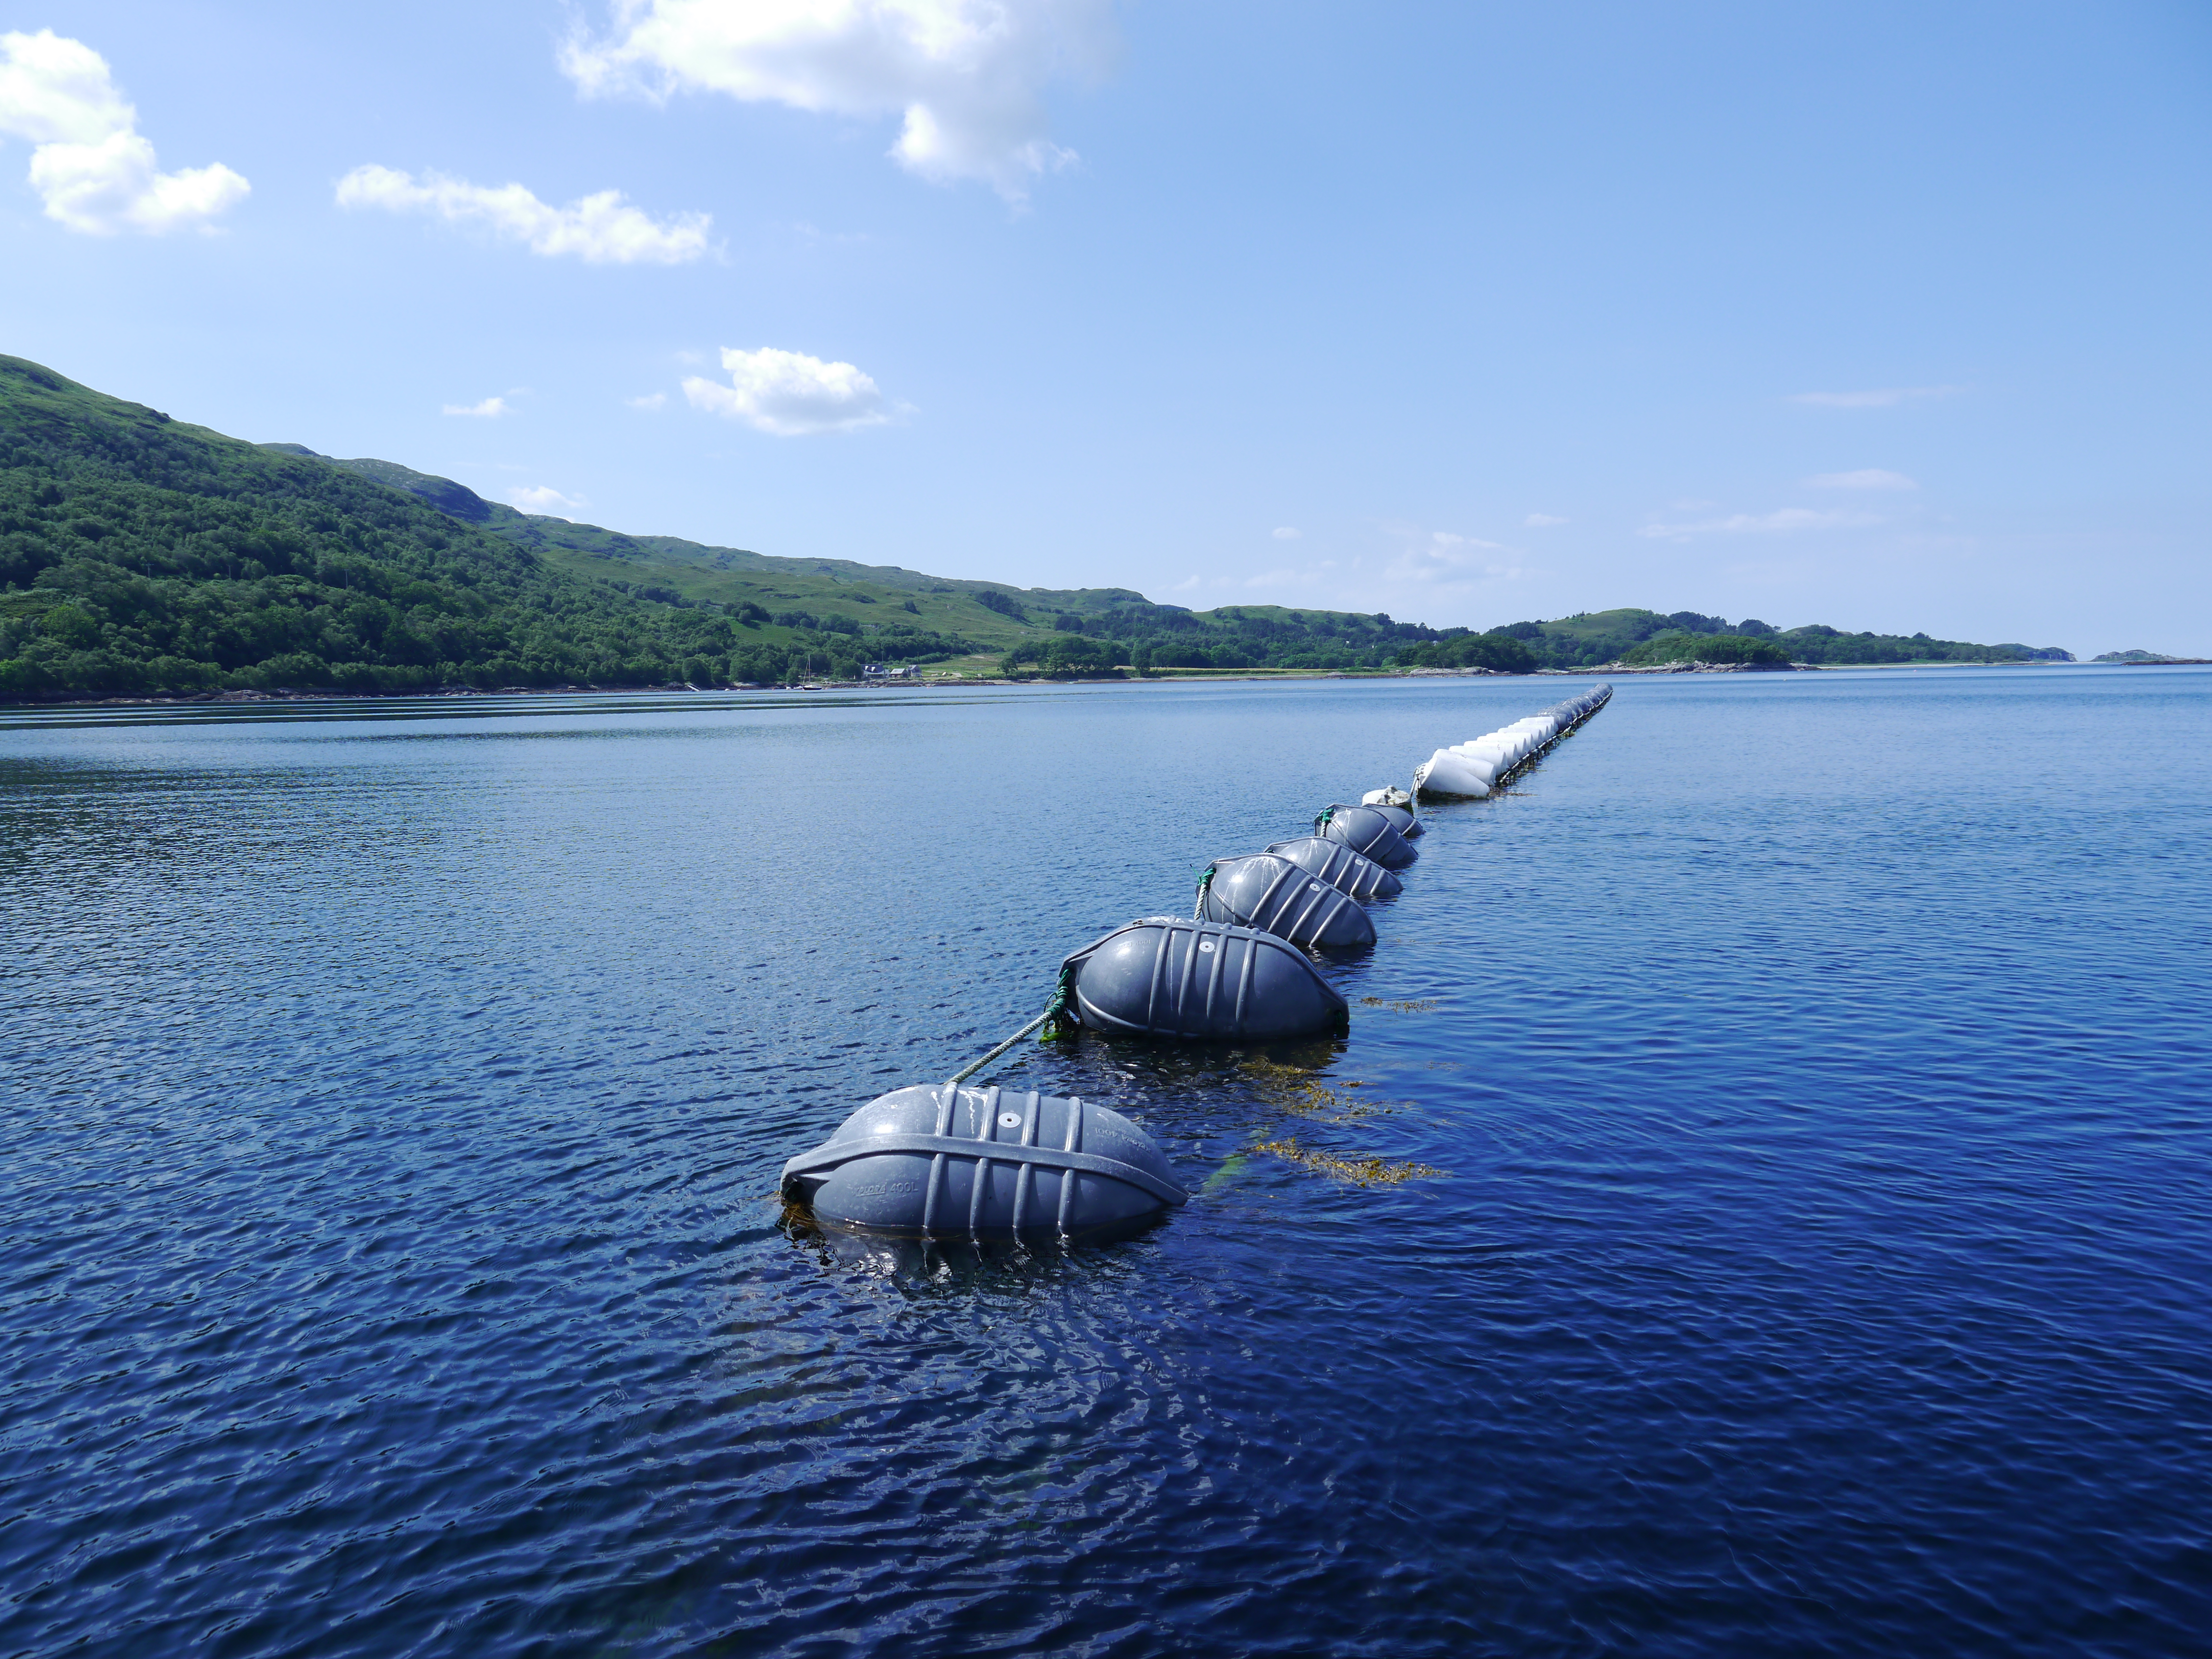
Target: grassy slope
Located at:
point(239, 564)
point(141, 552)
point(734, 576)
point(1601, 636)
point(825, 587)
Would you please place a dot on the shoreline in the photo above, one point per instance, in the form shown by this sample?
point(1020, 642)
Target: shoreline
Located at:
point(460, 693)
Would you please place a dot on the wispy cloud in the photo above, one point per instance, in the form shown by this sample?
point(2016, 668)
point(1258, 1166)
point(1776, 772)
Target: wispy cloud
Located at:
point(94, 171)
point(967, 77)
point(813, 236)
point(1285, 533)
point(543, 500)
point(1541, 521)
point(598, 229)
point(491, 409)
point(650, 400)
point(1287, 578)
point(1867, 478)
point(1787, 520)
point(1441, 558)
point(1884, 397)
point(789, 394)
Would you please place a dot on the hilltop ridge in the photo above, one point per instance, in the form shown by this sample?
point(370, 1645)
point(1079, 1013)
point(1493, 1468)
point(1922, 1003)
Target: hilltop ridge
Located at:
point(140, 554)
point(1238, 636)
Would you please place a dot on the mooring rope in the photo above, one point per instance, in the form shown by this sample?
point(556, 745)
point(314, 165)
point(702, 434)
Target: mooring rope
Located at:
point(1058, 1005)
point(968, 1072)
point(1206, 881)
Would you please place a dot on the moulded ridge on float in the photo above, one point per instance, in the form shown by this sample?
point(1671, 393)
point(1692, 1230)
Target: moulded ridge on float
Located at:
point(947, 1162)
point(1400, 816)
point(1368, 832)
point(1339, 867)
point(1267, 892)
point(1208, 981)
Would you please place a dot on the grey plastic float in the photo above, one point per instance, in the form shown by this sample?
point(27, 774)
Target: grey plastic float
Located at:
point(945, 1162)
point(1266, 890)
point(1339, 867)
point(1209, 981)
point(1366, 832)
point(1397, 804)
point(1402, 818)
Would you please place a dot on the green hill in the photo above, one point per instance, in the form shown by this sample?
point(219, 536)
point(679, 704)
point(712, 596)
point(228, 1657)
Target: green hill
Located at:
point(673, 571)
point(139, 554)
point(1049, 629)
point(1640, 638)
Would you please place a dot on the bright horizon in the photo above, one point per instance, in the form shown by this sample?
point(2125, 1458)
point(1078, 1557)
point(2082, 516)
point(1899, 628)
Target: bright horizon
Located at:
point(1866, 316)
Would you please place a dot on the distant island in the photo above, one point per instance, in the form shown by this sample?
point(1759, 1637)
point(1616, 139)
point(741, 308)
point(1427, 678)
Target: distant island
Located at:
point(141, 556)
point(1644, 639)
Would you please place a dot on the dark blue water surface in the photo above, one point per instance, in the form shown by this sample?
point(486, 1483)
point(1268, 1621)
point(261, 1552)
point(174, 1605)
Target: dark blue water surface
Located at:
point(390, 1262)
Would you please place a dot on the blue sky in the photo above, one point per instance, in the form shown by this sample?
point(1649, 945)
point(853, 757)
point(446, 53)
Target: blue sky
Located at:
point(1891, 316)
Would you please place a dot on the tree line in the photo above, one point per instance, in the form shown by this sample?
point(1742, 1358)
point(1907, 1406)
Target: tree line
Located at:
point(1638, 637)
point(138, 555)
point(141, 554)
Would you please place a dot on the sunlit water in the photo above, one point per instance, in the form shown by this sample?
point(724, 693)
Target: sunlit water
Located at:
point(390, 1263)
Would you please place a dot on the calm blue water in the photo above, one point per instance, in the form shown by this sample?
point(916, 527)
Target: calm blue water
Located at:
point(390, 1265)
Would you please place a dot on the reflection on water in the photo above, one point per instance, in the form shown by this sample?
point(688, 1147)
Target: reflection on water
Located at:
point(393, 1262)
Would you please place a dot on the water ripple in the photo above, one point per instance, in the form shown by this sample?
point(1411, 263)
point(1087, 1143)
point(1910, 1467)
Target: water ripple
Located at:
point(392, 1267)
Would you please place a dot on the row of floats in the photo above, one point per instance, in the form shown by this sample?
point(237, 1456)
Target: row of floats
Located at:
point(1476, 768)
point(935, 1161)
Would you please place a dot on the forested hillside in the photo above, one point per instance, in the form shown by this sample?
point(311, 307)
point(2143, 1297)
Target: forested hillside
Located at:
point(1642, 638)
point(1067, 631)
point(142, 554)
point(139, 554)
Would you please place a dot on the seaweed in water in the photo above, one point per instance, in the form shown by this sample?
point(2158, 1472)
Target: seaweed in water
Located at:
point(1291, 1090)
point(1361, 1171)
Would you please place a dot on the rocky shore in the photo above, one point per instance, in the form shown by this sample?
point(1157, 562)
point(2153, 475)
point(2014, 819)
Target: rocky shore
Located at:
point(331, 694)
point(1697, 668)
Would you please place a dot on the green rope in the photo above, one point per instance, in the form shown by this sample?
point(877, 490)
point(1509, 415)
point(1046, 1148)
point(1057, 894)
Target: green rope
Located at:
point(1058, 1022)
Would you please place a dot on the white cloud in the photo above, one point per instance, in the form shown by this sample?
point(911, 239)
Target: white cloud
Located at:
point(650, 400)
point(1285, 533)
point(967, 75)
point(1790, 519)
point(598, 229)
point(489, 409)
point(1445, 558)
point(1880, 399)
point(1867, 478)
point(1541, 521)
point(545, 501)
point(789, 394)
point(94, 171)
